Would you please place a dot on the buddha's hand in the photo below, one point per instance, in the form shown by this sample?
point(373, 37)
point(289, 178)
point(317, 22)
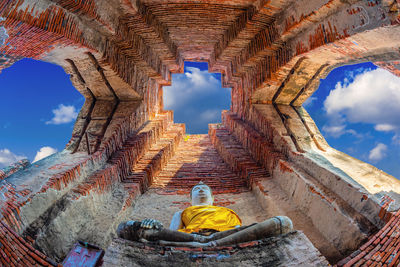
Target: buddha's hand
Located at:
point(151, 224)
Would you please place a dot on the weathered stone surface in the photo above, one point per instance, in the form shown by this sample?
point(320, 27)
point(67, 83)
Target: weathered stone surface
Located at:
point(293, 249)
point(272, 53)
point(15, 167)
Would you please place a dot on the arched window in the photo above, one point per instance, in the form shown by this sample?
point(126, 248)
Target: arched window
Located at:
point(356, 108)
point(38, 109)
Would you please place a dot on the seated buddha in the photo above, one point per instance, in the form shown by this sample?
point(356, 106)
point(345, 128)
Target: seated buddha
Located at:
point(202, 225)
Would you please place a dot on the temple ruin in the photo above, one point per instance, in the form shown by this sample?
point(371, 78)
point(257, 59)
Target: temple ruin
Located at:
point(127, 159)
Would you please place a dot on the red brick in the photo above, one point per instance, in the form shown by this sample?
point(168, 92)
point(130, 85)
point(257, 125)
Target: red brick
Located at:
point(248, 244)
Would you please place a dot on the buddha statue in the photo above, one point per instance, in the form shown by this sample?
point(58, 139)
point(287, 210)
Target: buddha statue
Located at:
point(203, 225)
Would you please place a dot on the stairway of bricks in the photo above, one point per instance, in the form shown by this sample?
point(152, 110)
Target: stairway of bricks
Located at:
point(119, 166)
point(270, 195)
point(239, 160)
point(152, 161)
point(143, 155)
point(134, 163)
point(274, 161)
point(195, 160)
point(259, 146)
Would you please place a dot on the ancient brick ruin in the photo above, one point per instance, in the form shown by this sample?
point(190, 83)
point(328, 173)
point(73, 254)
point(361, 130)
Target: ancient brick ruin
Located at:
point(127, 159)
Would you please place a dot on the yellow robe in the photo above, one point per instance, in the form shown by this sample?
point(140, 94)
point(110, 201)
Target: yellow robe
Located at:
point(195, 218)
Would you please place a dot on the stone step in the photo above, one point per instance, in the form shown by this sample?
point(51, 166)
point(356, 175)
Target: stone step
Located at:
point(259, 147)
point(195, 160)
point(357, 226)
point(119, 165)
point(101, 186)
point(150, 164)
point(104, 188)
point(239, 160)
point(303, 191)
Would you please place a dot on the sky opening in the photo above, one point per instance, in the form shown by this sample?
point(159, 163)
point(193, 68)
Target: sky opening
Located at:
point(38, 109)
point(196, 97)
point(357, 110)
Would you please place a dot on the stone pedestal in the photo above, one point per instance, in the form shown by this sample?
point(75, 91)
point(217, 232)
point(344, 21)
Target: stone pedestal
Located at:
point(293, 249)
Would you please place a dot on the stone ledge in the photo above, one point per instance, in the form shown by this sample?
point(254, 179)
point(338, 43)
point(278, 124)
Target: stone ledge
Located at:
point(293, 249)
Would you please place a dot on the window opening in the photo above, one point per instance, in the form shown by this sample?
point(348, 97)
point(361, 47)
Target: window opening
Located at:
point(356, 108)
point(38, 110)
point(196, 97)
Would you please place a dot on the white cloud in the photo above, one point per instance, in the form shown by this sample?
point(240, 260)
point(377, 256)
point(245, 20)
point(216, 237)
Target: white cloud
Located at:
point(309, 101)
point(197, 98)
point(372, 97)
point(210, 115)
point(385, 127)
point(169, 98)
point(44, 152)
point(396, 139)
point(7, 157)
point(337, 130)
point(378, 152)
point(199, 78)
point(334, 130)
point(352, 74)
point(63, 114)
point(192, 84)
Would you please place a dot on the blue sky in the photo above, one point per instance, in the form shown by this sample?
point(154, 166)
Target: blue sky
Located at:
point(38, 108)
point(196, 97)
point(356, 108)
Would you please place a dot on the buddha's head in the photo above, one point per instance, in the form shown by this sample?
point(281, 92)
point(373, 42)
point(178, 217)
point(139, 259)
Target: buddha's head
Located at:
point(201, 194)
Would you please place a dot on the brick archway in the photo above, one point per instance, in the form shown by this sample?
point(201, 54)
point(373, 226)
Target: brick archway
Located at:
point(272, 54)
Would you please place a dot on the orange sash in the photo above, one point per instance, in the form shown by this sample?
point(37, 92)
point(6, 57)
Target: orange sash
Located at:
point(195, 218)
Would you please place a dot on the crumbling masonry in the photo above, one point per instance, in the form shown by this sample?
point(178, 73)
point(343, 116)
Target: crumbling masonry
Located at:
point(127, 159)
